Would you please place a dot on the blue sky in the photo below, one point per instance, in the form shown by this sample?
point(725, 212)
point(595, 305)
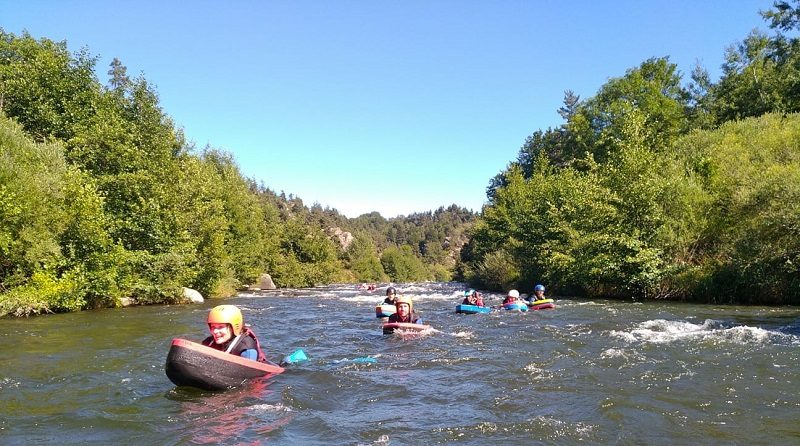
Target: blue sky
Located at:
point(388, 106)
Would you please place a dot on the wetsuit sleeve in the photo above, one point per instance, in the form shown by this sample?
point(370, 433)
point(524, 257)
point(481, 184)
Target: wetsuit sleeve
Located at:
point(250, 353)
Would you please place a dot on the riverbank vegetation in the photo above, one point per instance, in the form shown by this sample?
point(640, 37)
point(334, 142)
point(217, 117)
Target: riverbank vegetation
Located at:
point(103, 198)
point(658, 189)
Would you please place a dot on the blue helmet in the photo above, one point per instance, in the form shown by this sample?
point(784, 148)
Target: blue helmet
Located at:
point(538, 287)
point(469, 292)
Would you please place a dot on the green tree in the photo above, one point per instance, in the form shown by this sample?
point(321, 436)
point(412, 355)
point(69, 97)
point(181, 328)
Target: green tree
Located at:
point(55, 252)
point(654, 91)
point(403, 266)
point(363, 260)
point(44, 87)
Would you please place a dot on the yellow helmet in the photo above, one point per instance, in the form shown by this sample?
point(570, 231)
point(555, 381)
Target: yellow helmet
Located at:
point(404, 300)
point(227, 314)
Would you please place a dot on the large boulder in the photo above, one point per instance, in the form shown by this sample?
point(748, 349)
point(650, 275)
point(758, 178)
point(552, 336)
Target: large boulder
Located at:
point(192, 296)
point(265, 282)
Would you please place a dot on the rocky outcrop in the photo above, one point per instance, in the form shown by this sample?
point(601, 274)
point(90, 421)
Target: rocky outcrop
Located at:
point(343, 237)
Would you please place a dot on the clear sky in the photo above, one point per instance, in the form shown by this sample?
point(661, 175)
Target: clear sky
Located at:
point(371, 105)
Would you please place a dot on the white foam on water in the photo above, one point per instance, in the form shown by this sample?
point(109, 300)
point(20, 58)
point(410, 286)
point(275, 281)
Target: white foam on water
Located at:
point(8, 382)
point(376, 299)
point(624, 335)
point(613, 353)
point(532, 368)
point(660, 331)
point(262, 408)
point(537, 372)
point(435, 296)
point(412, 334)
point(463, 334)
point(383, 440)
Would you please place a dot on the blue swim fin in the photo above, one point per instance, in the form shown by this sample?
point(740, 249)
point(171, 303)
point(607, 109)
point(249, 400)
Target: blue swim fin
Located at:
point(298, 356)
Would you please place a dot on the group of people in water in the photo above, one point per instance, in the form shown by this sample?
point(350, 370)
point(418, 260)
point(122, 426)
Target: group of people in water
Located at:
point(404, 305)
point(230, 334)
point(472, 297)
point(513, 296)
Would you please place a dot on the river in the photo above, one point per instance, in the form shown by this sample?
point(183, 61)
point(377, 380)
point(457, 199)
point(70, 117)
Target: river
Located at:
point(588, 372)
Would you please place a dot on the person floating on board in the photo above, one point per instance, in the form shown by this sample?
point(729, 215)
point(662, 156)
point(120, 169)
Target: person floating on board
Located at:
point(229, 334)
point(513, 297)
point(472, 297)
point(405, 311)
point(391, 296)
point(538, 294)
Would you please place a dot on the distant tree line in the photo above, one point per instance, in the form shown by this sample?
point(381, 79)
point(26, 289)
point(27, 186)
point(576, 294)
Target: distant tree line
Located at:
point(658, 189)
point(102, 197)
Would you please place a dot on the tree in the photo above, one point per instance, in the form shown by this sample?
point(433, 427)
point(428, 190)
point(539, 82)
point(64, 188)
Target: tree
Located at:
point(363, 261)
point(44, 87)
point(118, 76)
point(654, 90)
point(403, 266)
point(571, 102)
point(55, 251)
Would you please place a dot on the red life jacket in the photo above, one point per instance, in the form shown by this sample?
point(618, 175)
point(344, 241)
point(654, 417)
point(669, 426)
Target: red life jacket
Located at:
point(249, 332)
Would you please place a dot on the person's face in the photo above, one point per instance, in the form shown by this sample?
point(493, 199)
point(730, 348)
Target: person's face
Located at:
point(539, 293)
point(403, 309)
point(391, 295)
point(222, 333)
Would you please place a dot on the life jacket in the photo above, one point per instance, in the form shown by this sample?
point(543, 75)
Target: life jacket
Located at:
point(246, 331)
point(478, 301)
point(412, 318)
point(249, 332)
point(534, 298)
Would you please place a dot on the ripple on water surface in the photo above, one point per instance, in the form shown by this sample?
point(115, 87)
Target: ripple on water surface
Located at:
point(588, 372)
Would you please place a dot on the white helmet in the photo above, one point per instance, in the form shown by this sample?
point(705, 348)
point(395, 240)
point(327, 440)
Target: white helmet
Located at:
point(514, 294)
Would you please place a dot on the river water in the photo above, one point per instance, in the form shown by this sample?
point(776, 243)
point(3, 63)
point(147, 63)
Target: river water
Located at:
point(588, 372)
